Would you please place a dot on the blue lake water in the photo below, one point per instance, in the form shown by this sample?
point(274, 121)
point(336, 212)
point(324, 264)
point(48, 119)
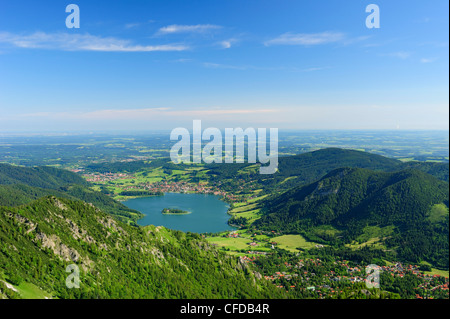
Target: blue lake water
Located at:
point(208, 212)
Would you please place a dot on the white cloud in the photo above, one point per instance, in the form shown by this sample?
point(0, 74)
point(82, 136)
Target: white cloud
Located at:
point(401, 55)
point(356, 40)
point(132, 25)
point(306, 39)
point(427, 60)
point(312, 69)
point(176, 28)
point(211, 65)
point(183, 60)
point(225, 66)
point(226, 44)
point(81, 42)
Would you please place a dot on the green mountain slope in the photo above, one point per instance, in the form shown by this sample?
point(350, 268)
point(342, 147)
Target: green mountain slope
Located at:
point(351, 199)
point(38, 241)
point(438, 170)
point(22, 185)
point(43, 177)
point(313, 165)
point(309, 167)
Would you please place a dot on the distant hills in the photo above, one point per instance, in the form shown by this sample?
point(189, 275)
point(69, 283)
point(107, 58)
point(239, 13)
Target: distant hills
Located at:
point(309, 167)
point(292, 170)
point(42, 177)
point(306, 168)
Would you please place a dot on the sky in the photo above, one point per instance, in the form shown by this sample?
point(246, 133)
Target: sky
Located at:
point(151, 65)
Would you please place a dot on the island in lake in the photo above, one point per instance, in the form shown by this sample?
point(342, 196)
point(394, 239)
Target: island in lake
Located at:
point(174, 211)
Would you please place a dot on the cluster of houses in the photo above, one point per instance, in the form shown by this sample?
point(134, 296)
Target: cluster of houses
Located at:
point(162, 186)
point(232, 235)
point(180, 187)
point(257, 252)
point(106, 177)
point(429, 285)
point(344, 272)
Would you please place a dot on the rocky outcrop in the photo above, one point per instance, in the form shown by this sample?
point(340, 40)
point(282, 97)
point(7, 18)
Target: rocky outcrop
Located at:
point(54, 243)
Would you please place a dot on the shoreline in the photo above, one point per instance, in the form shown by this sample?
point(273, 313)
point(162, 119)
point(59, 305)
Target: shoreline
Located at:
point(220, 197)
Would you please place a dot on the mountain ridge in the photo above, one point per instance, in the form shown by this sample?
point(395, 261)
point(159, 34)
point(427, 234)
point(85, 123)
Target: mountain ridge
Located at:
point(39, 240)
point(352, 198)
point(22, 185)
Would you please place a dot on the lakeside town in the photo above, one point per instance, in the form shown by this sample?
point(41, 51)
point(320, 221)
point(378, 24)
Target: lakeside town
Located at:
point(164, 186)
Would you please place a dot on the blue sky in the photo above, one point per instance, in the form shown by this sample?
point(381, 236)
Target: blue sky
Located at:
point(249, 63)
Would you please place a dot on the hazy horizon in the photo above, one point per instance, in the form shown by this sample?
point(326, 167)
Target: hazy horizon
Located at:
point(136, 65)
point(167, 131)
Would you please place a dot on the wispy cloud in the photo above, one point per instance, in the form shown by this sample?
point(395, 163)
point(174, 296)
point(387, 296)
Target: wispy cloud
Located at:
point(183, 60)
point(176, 28)
point(427, 60)
point(132, 25)
point(400, 54)
point(314, 69)
point(423, 20)
point(224, 66)
point(348, 41)
point(261, 68)
point(81, 42)
point(226, 44)
point(306, 39)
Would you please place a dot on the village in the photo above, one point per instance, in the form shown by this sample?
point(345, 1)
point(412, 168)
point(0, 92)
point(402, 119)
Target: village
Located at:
point(105, 177)
point(160, 186)
point(181, 187)
point(323, 279)
point(309, 276)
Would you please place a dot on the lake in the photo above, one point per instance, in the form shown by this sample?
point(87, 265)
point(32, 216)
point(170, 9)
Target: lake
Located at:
point(208, 212)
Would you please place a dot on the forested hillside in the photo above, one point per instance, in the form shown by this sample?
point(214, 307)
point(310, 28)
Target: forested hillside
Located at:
point(350, 199)
point(308, 167)
point(43, 177)
point(22, 185)
point(38, 241)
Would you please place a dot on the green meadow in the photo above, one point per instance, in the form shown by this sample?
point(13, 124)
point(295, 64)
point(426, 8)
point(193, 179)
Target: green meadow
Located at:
point(293, 242)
